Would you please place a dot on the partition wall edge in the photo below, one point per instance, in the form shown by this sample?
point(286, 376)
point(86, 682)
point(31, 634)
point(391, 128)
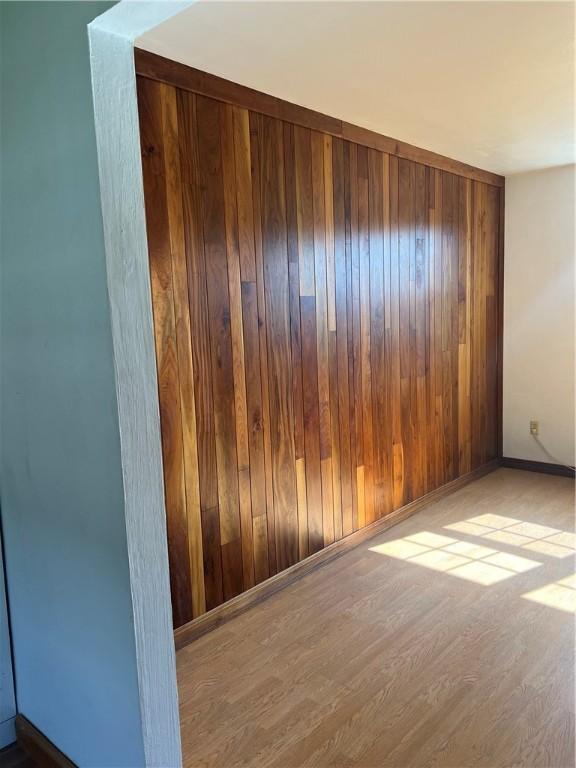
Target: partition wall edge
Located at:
point(193, 125)
point(111, 38)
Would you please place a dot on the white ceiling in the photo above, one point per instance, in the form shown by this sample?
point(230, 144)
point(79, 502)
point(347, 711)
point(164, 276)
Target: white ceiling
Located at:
point(488, 83)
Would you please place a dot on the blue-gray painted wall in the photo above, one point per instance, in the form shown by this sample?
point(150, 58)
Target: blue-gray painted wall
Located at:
point(60, 476)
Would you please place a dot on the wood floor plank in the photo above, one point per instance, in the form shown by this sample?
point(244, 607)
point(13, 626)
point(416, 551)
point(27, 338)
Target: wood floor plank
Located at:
point(384, 657)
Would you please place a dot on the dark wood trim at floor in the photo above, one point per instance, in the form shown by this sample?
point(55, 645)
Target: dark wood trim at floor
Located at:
point(13, 756)
point(39, 748)
point(237, 605)
point(538, 466)
point(156, 67)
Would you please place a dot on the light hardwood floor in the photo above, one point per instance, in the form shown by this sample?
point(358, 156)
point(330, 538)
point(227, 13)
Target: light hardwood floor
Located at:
point(409, 651)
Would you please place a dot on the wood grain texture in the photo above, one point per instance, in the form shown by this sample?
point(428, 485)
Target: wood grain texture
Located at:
point(393, 658)
point(39, 749)
point(328, 335)
point(187, 633)
point(14, 756)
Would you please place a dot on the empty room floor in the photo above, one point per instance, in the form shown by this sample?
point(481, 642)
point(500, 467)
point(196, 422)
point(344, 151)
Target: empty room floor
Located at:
point(448, 640)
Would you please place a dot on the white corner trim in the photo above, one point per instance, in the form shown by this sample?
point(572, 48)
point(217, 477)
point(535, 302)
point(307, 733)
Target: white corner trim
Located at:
point(112, 38)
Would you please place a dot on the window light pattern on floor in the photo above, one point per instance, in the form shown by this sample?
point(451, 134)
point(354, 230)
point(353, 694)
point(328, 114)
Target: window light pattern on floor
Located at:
point(472, 562)
point(529, 536)
point(559, 594)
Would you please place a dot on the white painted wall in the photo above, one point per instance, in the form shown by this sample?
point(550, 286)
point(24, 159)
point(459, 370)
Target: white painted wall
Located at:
point(539, 314)
point(491, 84)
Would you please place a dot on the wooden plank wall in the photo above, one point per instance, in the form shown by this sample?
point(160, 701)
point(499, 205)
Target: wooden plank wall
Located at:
point(326, 319)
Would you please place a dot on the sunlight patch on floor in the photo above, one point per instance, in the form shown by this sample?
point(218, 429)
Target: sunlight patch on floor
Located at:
point(463, 559)
point(518, 533)
point(559, 594)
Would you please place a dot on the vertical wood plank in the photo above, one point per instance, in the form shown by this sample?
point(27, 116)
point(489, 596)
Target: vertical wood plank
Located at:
point(243, 190)
point(500, 325)
point(431, 370)
point(464, 319)
point(365, 340)
point(350, 233)
point(439, 453)
point(394, 361)
point(386, 424)
point(405, 243)
point(260, 536)
point(255, 429)
point(174, 197)
point(312, 423)
point(421, 287)
point(211, 118)
point(321, 284)
point(377, 362)
point(305, 215)
point(455, 332)
point(447, 262)
point(277, 299)
point(332, 530)
point(255, 143)
point(491, 350)
point(479, 326)
point(231, 215)
point(344, 526)
point(356, 391)
point(294, 233)
point(201, 356)
point(152, 97)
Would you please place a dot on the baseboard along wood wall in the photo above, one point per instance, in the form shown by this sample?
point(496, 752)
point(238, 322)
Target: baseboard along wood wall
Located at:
point(223, 613)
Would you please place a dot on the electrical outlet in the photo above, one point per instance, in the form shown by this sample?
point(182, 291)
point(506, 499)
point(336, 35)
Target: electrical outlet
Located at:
point(534, 427)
